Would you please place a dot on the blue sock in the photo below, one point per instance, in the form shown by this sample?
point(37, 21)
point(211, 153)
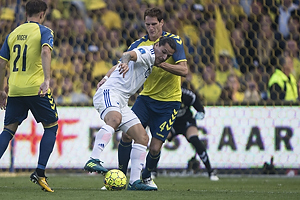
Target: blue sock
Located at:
point(5, 137)
point(46, 146)
point(151, 164)
point(124, 150)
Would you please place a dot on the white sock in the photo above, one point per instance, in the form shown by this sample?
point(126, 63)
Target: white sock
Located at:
point(103, 136)
point(138, 159)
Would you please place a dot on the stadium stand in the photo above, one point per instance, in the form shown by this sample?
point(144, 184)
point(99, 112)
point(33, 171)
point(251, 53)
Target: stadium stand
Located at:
point(90, 35)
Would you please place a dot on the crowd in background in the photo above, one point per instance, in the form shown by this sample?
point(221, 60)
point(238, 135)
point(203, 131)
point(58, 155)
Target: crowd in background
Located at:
point(91, 35)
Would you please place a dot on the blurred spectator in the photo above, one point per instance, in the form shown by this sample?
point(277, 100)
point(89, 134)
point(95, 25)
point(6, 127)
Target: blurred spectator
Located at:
point(61, 64)
point(294, 26)
point(232, 90)
point(55, 88)
point(285, 9)
point(207, 36)
point(7, 18)
point(231, 10)
point(69, 96)
point(210, 90)
point(195, 74)
point(242, 54)
point(77, 72)
point(225, 68)
point(269, 45)
point(7, 14)
point(282, 84)
point(98, 63)
point(243, 24)
point(256, 10)
point(62, 30)
point(88, 91)
point(246, 4)
point(292, 49)
point(116, 45)
point(252, 94)
point(97, 10)
point(66, 91)
point(80, 36)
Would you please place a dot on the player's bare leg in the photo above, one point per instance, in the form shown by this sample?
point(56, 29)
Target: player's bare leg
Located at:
point(138, 155)
point(103, 136)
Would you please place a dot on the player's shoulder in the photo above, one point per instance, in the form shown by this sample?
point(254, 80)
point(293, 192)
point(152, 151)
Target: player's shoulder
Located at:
point(45, 28)
point(167, 34)
point(139, 42)
point(175, 37)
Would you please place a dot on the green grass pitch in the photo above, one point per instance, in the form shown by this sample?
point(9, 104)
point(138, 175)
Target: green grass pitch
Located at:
point(84, 186)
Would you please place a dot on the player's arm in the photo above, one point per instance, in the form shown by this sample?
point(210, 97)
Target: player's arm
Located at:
point(179, 69)
point(46, 63)
point(106, 76)
point(123, 66)
point(3, 95)
point(128, 56)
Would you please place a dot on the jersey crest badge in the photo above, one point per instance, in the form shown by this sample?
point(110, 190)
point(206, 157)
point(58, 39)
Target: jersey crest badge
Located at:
point(142, 50)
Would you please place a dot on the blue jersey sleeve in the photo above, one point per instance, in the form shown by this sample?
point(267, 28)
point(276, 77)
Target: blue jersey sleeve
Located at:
point(4, 52)
point(136, 43)
point(46, 36)
point(179, 55)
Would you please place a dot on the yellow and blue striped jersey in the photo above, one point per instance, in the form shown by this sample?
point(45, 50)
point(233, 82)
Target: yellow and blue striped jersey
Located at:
point(162, 85)
point(22, 48)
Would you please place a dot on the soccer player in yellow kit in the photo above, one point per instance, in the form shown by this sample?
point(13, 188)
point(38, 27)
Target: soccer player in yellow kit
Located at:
point(159, 101)
point(28, 49)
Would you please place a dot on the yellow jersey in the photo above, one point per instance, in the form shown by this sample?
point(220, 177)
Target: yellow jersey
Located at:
point(22, 47)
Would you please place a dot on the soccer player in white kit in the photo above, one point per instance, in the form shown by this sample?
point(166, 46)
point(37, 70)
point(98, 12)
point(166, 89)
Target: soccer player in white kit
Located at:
point(111, 101)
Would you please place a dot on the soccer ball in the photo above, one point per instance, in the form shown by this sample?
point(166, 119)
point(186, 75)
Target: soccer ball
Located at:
point(115, 180)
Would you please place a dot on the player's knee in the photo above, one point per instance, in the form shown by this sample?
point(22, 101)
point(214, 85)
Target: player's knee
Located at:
point(126, 138)
point(113, 121)
point(142, 139)
point(154, 149)
point(154, 152)
point(155, 146)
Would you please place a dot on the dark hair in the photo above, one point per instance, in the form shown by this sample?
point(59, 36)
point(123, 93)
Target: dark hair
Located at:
point(35, 7)
point(154, 12)
point(163, 40)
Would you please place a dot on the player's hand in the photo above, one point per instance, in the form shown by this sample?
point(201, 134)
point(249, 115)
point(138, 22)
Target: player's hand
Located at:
point(123, 69)
point(200, 115)
point(44, 89)
point(3, 97)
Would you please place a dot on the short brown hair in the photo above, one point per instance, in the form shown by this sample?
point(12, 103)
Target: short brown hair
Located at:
point(154, 12)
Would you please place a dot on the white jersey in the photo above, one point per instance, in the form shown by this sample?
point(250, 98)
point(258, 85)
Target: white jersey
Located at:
point(137, 74)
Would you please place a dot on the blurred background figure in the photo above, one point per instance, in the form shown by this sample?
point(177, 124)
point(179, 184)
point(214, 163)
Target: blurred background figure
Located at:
point(285, 10)
point(282, 84)
point(232, 91)
point(225, 68)
point(251, 94)
point(210, 90)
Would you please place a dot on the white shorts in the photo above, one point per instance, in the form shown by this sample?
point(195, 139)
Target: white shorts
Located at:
point(106, 100)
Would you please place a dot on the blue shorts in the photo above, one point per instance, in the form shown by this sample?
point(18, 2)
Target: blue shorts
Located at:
point(158, 115)
point(42, 108)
